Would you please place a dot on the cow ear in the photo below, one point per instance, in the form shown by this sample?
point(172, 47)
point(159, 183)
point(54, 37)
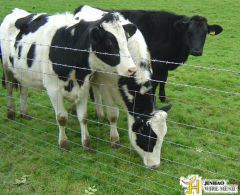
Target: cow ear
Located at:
point(214, 29)
point(166, 108)
point(181, 25)
point(130, 30)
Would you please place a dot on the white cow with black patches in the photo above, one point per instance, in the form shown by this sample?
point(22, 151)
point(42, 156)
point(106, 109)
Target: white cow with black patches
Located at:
point(34, 53)
point(146, 124)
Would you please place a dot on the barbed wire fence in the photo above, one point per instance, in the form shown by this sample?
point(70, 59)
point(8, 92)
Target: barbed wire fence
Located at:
point(24, 136)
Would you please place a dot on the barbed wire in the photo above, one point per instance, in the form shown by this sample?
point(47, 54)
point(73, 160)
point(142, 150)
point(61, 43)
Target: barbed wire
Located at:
point(164, 140)
point(87, 158)
point(105, 53)
point(140, 114)
point(68, 166)
point(174, 162)
point(112, 86)
point(112, 73)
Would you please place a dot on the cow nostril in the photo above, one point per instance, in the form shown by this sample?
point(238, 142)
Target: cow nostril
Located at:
point(155, 166)
point(196, 52)
point(132, 70)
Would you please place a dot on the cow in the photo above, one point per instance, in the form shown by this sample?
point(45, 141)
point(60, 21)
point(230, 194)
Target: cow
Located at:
point(60, 53)
point(146, 124)
point(170, 38)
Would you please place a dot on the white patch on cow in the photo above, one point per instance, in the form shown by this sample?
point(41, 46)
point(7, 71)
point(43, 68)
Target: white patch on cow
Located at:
point(158, 124)
point(144, 89)
point(92, 14)
point(126, 92)
point(126, 61)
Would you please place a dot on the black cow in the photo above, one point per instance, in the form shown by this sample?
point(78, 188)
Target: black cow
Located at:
point(170, 37)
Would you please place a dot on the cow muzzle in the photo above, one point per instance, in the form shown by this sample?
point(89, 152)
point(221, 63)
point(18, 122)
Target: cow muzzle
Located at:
point(131, 71)
point(196, 52)
point(150, 164)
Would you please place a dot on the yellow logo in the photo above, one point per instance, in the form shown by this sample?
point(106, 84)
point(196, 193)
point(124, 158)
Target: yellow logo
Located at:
point(192, 184)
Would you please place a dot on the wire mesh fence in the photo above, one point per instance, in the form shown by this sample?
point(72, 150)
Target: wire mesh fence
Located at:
point(196, 138)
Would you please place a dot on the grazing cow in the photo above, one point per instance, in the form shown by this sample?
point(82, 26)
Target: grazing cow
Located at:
point(170, 37)
point(41, 50)
point(146, 124)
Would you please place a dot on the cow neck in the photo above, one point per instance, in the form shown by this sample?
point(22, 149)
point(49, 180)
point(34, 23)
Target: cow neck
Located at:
point(137, 103)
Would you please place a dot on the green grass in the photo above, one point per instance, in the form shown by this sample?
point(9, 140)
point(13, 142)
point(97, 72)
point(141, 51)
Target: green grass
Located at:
point(52, 171)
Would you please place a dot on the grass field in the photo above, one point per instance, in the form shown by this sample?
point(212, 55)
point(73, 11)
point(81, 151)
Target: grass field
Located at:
point(29, 147)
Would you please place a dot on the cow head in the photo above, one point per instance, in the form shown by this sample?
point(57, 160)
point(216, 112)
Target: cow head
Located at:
point(146, 135)
point(195, 30)
point(109, 42)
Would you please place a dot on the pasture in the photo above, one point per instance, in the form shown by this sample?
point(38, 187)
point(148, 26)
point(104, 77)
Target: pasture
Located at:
point(203, 125)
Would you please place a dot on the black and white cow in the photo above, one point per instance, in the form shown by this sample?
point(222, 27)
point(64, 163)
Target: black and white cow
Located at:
point(170, 38)
point(146, 124)
point(34, 52)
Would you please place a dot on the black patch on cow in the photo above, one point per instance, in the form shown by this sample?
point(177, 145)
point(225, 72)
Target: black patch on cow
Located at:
point(64, 61)
point(105, 42)
point(85, 34)
point(129, 29)
point(138, 106)
point(27, 25)
point(146, 138)
point(69, 86)
point(78, 9)
point(19, 52)
point(11, 59)
point(30, 55)
point(1, 56)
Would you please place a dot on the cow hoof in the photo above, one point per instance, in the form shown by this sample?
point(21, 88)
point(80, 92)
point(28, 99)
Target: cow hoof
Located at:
point(87, 149)
point(74, 111)
point(87, 146)
point(25, 116)
point(63, 145)
point(11, 114)
point(100, 116)
point(115, 144)
point(162, 99)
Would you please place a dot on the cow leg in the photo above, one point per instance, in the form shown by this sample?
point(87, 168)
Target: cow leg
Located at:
point(9, 80)
point(91, 94)
point(154, 87)
point(163, 79)
point(23, 102)
point(61, 117)
point(73, 109)
point(113, 114)
point(98, 101)
point(82, 118)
